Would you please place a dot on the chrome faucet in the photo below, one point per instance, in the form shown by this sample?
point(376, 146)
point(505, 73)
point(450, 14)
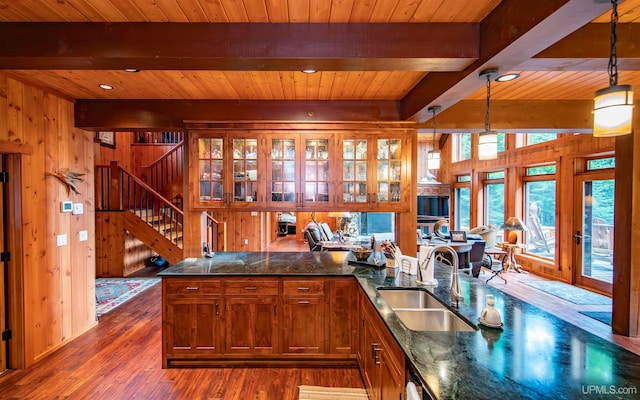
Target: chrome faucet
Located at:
point(455, 281)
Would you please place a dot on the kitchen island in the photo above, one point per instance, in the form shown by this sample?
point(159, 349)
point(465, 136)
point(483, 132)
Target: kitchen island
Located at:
point(535, 356)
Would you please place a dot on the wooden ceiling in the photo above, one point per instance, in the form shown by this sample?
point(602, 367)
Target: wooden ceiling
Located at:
point(383, 61)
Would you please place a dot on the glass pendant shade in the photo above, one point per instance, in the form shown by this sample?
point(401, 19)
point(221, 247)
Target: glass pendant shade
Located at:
point(488, 145)
point(433, 159)
point(613, 111)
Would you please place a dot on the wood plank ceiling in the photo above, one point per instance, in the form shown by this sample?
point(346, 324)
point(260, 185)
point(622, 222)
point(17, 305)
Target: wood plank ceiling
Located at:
point(377, 61)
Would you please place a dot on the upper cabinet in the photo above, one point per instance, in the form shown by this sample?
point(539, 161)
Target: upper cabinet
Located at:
point(288, 171)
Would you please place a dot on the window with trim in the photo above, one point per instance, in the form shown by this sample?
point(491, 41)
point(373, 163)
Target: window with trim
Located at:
point(462, 202)
point(502, 142)
point(461, 146)
point(535, 138)
point(494, 200)
point(540, 210)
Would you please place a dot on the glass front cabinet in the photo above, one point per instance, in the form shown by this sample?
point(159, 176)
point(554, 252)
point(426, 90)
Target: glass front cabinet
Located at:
point(302, 171)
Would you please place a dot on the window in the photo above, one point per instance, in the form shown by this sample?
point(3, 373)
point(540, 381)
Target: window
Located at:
point(601, 163)
point(463, 208)
point(535, 138)
point(464, 178)
point(494, 200)
point(540, 210)
point(461, 146)
point(381, 224)
point(502, 145)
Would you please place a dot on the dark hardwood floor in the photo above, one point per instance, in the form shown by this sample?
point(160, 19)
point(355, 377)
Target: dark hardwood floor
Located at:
point(121, 359)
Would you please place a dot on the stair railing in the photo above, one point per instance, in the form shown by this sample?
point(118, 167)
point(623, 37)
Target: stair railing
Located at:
point(119, 190)
point(216, 233)
point(165, 169)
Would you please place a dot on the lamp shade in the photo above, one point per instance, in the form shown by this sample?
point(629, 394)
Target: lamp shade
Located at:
point(613, 111)
point(488, 145)
point(433, 159)
point(339, 214)
point(514, 224)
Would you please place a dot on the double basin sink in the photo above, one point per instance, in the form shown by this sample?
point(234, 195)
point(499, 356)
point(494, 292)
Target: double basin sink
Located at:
point(419, 310)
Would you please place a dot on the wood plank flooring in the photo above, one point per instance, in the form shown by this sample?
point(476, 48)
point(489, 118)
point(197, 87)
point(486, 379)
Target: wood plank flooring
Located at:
point(121, 359)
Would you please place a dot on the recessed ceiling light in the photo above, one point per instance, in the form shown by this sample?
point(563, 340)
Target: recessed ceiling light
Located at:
point(507, 77)
point(105, 86)
point(309, 71)
point(131, 70)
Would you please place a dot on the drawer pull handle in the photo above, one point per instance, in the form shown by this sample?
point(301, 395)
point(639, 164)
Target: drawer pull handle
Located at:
point(192, 288)
point(303, 288)
point(303, 302)
point(251, 288)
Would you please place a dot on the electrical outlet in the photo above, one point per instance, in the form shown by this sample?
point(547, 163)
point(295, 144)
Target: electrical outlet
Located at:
point(61, 240)
point(246, 241)
point(83, 235)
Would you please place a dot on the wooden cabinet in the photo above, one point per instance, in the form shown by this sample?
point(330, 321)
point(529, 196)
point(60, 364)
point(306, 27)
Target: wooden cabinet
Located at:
point(191, 326)
point(228, 169)
point(381, 359)
point(304, 321)
point(226, 320)
point(251, 316)
point(375, 172)
point(299, 171)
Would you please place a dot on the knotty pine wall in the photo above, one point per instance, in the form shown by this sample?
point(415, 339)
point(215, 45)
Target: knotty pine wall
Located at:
point(58, 283)
point(564, 153)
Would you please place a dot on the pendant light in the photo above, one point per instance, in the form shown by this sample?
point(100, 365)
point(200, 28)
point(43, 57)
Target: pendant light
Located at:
point(433, 156)
point(613, 106)
point(488, 139)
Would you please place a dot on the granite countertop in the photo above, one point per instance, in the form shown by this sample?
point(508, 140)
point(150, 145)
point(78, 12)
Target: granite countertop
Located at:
point(535, 356)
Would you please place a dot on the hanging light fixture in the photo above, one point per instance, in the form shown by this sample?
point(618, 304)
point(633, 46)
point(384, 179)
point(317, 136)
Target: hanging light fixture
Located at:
point(433, 156)
point(613, 106)
point(488, 139)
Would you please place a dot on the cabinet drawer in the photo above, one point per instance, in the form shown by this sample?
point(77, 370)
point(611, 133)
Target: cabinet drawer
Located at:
point(248, 286)
point(303, 287)
point(192, 287)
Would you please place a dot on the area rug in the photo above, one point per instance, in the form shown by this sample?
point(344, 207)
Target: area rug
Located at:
point(602, 316)
point(570, 293)
point(331, 393)
point(112, 292)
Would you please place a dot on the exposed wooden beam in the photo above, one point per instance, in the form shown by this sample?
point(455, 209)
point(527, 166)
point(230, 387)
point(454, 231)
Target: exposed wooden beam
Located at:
point(512, 33)
point(588, 49)
point(172, 114)
point(241, 46)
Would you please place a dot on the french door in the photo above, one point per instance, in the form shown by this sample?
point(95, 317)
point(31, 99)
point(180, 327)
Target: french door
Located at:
point(593, 233)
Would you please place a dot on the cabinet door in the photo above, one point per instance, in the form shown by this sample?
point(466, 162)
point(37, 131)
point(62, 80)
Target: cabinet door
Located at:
point(304, 325)
point(371, 360)
point(391, 380)
point(251, 325)
point(343, 316)
point(355, 190)
point(211, 188)
point(192, 326)
point(390, 180)
point(283, 187)
point(246, 183)
point(318, 161)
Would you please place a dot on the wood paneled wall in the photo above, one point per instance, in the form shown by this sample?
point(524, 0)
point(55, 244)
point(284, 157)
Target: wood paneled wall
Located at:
point(58, 282)
point(243, 226)
point(122, 153)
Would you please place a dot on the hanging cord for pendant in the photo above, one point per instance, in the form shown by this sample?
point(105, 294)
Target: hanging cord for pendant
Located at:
point(487, 118)
point(613, 59)
point(434, 128)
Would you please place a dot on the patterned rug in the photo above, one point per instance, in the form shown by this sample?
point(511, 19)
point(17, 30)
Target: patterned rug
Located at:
point(112, 292)
point(570, 293)
point(602, 316)
point(331, 393)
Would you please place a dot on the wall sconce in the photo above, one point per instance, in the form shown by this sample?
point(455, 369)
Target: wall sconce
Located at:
point(613, 106)
point(488, 139)
point(433, 156)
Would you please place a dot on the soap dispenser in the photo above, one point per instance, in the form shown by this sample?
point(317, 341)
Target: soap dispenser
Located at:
point(490, 316)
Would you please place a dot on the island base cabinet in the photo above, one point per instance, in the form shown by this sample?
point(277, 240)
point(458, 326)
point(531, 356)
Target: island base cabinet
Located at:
point(251, 325)
point(343, 316)
point(304, 325)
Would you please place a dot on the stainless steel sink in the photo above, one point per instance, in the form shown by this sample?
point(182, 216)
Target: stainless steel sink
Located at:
point(409, 298)
point(432, 319)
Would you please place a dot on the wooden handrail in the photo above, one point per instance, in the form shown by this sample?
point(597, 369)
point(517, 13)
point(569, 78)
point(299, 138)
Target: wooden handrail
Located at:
point(166, 168)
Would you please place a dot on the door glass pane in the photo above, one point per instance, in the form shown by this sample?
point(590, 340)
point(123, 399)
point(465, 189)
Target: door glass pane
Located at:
point(540, 218)
point(210, 167)
point(316, 169)
point(463, 209)
point(597, 230)
point(494, 201)
point(354, 170)
point(389, 170)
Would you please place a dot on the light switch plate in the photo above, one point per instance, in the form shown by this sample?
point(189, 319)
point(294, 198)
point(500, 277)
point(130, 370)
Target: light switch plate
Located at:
point(78, 208)
point(62, 240)
point(83, 235)
point(66, 206)
point(254, 213)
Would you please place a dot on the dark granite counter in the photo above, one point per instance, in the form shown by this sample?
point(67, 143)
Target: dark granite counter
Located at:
point(535, 356)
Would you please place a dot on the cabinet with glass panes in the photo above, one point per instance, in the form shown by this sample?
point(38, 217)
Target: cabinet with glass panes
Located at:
point(299, 170)
point(374, 172)
point(228, 170)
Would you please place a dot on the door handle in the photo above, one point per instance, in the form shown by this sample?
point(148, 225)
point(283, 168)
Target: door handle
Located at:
point(578, 237)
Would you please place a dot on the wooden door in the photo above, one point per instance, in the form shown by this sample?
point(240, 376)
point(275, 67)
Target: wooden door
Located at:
point(251, 325)
point(343, 316)
point(391, 382)
point(192, 326)
point(304, 324)
point(371, 359)
point(209, 170)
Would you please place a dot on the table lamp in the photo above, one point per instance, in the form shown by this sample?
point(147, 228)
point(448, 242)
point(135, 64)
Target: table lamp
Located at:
point(513, 225)
point(340, 217)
